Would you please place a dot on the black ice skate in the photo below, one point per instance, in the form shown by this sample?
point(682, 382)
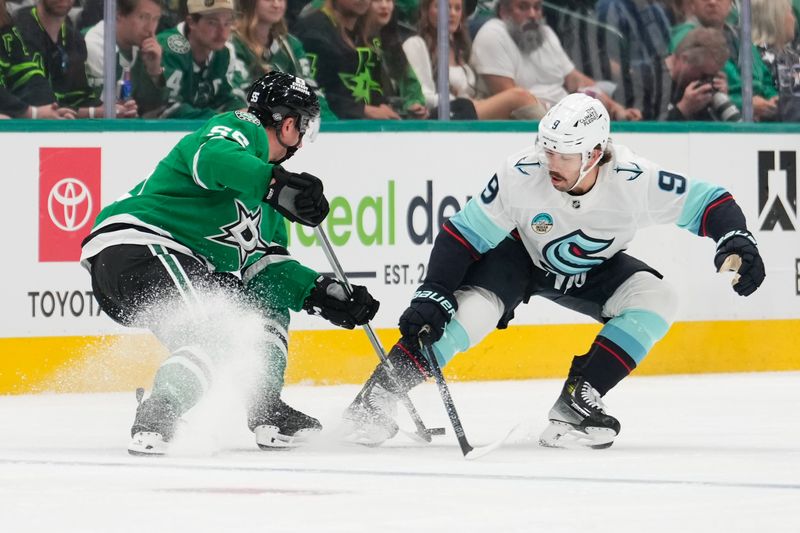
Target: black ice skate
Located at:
point(279, 426)
point(154, 425)
point(578, 418)
point(370, 418)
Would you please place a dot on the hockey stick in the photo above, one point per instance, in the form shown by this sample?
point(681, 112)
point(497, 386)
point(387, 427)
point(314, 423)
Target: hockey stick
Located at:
point(467, 449)
point(422, 432)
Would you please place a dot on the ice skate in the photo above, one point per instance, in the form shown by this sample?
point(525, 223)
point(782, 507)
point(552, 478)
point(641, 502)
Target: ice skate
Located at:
point(279, 426)
point(154, 426)
point(578, 418)
point(370, 418)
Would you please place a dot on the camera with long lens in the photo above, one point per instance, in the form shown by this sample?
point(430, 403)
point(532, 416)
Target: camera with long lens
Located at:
point(721, 107)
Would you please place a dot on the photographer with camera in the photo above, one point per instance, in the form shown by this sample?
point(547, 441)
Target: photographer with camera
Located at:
point(699, 87)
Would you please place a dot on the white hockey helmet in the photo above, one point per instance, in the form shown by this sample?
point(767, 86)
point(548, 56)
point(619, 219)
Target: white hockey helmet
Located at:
point(575, 125)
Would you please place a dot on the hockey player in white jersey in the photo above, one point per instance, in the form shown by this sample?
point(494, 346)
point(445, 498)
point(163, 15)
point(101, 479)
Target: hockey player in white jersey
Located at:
point(554, 221)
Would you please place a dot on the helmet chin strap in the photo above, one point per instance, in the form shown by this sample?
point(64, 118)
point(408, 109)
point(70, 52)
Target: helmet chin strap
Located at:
point(290, 149)
point(584, 173)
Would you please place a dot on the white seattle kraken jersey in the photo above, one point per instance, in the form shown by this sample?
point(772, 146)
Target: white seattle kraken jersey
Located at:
point(569, 235)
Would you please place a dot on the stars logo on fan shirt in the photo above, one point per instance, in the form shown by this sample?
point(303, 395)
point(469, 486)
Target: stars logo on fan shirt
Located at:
point(361, 84)
point(244, 234)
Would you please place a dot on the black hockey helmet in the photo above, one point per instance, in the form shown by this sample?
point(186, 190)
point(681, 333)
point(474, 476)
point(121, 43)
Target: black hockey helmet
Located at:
point(278, 95)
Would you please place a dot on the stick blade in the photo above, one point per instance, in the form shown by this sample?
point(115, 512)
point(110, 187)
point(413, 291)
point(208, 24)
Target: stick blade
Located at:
point(482, 451)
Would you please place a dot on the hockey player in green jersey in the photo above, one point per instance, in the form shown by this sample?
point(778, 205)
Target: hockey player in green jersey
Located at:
point(210, 220)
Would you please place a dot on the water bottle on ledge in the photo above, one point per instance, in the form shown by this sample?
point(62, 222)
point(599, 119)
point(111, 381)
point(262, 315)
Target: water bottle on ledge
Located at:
point(125, 86)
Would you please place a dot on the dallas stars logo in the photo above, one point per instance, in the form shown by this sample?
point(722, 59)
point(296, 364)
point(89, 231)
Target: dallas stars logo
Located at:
point(244, 234)
point(361, 84)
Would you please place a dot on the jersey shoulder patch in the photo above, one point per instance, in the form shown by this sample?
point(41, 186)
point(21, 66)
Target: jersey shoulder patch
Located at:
point(178, 43)
point(249, 117)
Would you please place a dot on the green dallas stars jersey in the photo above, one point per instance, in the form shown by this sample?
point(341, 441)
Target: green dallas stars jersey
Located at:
point(286, 54)
point(205, 199)
point(195, 91)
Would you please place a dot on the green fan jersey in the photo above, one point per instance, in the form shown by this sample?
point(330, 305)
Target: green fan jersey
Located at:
point(285, 54)
point(205, 199)
point(195, 91)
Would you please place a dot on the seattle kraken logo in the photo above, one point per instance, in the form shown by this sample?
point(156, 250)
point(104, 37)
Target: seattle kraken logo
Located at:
point(572, 254)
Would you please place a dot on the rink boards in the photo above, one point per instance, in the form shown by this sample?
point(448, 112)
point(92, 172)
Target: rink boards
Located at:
point(390, 188)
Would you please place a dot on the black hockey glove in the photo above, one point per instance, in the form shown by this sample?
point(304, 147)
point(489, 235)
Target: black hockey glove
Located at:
point(432, 305)
point(751, 273)
point(329, 300)
point(298, 197)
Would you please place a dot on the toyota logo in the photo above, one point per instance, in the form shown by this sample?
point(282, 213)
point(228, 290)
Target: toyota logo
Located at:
point(69, 204)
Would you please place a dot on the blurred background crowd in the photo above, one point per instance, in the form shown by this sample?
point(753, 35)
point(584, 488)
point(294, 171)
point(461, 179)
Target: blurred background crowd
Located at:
point(654, 60)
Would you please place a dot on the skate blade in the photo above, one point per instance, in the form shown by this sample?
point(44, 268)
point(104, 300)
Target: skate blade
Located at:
point(147, 444)
point(563, 435)
point(270, 438)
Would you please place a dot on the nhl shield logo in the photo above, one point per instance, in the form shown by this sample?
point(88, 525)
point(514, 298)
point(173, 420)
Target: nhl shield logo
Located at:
point(542, 223)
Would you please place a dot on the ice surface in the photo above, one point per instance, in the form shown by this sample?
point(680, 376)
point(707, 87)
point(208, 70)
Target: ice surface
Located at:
point(696, 453)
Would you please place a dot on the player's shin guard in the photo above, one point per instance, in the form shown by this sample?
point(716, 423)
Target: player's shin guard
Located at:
point(604, 365)
point(370, 419)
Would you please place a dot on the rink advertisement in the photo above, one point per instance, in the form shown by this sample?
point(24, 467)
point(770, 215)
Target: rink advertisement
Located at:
point(389, 194)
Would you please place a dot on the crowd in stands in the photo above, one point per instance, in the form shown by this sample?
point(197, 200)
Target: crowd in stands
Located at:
point(653, 60)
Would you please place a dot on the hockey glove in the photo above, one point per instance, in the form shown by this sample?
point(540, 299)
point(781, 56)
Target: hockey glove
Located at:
point(329, 300)
point(298, 197)
point(432, 305)
point(751, 273)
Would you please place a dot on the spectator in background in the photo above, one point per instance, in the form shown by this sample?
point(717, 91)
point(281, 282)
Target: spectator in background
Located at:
point(636, 55)
point(196, 61)
point(139, 69)
point(399, 82)
point(678, 10)
point(713, 14)
point(53, 41)
point(520, 49)
point(586, 42)
point(261, 43)
point(347, 68)
point(24, 89)
point(773, 32)
point(93, 11)
point(699, 87)
point(421, 50)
